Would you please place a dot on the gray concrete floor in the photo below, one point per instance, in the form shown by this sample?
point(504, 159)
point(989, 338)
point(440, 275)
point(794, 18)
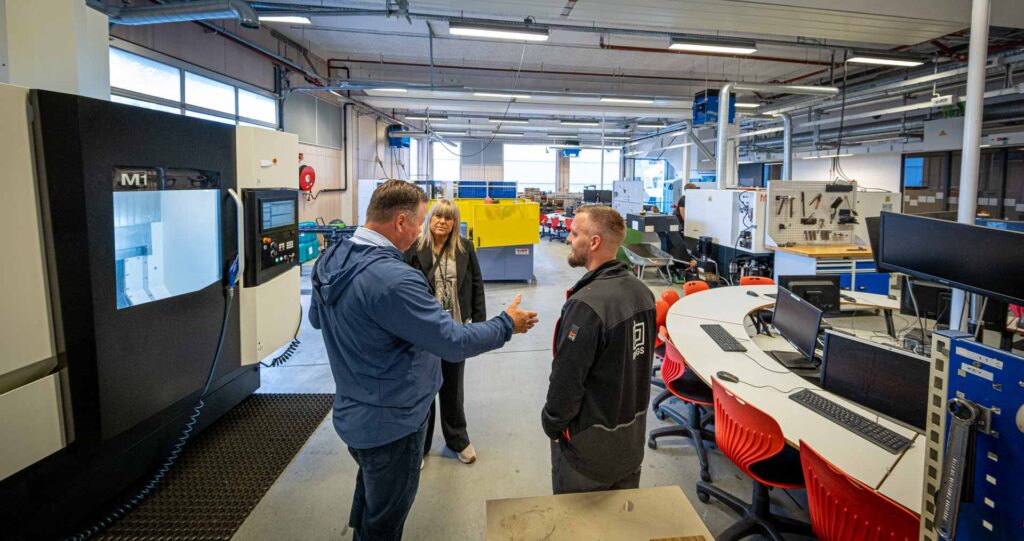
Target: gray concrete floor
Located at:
point(505, 391)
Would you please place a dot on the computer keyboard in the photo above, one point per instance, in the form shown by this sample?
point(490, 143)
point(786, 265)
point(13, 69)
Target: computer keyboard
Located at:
point(723, 338)
point(856, 423)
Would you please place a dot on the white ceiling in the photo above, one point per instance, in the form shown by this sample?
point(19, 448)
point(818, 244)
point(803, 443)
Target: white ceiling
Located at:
point(382, 49)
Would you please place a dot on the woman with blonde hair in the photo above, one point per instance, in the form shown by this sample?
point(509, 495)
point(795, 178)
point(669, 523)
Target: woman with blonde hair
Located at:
point(453, 273)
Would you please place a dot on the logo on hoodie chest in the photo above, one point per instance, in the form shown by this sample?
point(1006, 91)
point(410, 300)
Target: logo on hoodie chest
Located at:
point(638, 339)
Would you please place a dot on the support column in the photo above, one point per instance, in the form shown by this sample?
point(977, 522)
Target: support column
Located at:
point(59, 45)
point(977, 61)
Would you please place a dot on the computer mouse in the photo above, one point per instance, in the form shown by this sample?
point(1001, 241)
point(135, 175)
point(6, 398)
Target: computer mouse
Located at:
point(725, 376)
point(753, 294)
point(848, 298)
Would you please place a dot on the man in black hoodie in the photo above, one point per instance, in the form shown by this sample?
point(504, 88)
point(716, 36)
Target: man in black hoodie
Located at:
point(600, 379)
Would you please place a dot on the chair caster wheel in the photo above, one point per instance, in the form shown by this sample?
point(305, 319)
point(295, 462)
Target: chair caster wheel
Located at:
point(660, 414)
point(704, 497)
point(705, 476)
point(652, 443)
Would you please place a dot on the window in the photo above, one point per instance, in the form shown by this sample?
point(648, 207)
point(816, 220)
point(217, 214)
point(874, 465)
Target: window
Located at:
point(144, 104)
point(257, 107)
point(144, 76)
point(532, 166)
point(205, 116)
point(145, 82)
point(585, 170)
point(649, 170)
point(925, 177)
point(447, 161)
point(209, 94)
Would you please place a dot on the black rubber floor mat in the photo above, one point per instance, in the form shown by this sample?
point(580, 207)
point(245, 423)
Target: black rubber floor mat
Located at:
point(224, 472)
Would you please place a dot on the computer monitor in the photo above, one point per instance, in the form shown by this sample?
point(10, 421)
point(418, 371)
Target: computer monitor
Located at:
point(888, 380)
point(982, 260)
point(820, 290)
point(600, 197)
point(933, 302)
point(797, 321)
point(873, 224)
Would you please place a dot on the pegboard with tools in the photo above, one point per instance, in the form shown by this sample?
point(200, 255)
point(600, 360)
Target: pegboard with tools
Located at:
point(811, 212)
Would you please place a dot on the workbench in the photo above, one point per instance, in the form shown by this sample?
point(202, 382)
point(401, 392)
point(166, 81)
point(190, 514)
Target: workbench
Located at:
point(853, 264)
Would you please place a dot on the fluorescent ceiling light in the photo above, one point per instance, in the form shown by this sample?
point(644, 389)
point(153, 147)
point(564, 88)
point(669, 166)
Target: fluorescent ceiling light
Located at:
point(450, 133)
point(627, 100)
point(389, 89)
point(676, 134)
point(498, 31)
point(508, 120)
point(761, 132)
point(506, 135)
point(884, 60)
point(285, 19)
point(425, 117)
point(615, 138)
point(740, 105)
point(563, 136)
point(984, 146)
point(826, 157)
point(580, 123)
point(634, 143)
point(650, 126)
point(500, 95)
point(714, 46)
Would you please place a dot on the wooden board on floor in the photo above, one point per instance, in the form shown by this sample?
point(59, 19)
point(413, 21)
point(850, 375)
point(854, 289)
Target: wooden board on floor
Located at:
point(643, 514)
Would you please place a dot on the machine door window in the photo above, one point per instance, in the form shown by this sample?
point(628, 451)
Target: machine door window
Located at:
point(166, 233)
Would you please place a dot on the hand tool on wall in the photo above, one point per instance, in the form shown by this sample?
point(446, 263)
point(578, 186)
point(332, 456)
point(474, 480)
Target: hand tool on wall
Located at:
point(803, 206)
point(816, 201)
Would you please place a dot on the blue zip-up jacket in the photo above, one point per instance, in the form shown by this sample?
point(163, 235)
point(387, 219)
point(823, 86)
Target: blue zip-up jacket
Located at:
point(385, 336)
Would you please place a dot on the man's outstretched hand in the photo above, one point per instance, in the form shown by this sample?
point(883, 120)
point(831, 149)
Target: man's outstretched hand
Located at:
point(523, 320)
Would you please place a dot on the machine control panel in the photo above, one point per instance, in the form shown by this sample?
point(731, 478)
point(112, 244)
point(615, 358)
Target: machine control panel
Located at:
point(272, 234)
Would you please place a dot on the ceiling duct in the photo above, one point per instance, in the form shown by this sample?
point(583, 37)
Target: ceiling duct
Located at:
point(177, 12)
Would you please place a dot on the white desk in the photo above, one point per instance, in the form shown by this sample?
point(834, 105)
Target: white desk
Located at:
point(766, 384)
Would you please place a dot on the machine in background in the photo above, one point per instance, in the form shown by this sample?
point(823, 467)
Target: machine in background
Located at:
point(729, 225)
point(130, 233)
point(270, 311)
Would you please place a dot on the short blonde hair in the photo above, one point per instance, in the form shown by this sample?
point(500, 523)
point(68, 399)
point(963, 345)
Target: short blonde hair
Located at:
point(443, 208)
point(609, 223)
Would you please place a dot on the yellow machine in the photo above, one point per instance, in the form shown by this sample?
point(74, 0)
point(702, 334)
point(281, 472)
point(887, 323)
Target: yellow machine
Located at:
point(504, 234)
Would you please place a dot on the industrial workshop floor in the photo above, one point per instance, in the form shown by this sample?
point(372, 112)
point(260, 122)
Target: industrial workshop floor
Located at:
point(505, 391)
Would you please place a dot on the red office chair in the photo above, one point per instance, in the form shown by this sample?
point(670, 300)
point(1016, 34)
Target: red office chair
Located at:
point(670, 296)
point(689, 288)
point(695, 286)
point(687, 387)
point(544, 223)
point(568, 228)
point(756, 281)
point(844, 509)
point(661, 313)
point(556, 226)
point(753, 441)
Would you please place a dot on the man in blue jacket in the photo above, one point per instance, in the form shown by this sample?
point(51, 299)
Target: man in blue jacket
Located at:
point(385, 336)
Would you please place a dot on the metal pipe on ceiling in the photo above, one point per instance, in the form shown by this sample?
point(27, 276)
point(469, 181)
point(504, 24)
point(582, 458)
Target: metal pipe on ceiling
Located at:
point(201, 10)
point(721, 155)
point(787, 146)
point(886, 127)
point(619, 76)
